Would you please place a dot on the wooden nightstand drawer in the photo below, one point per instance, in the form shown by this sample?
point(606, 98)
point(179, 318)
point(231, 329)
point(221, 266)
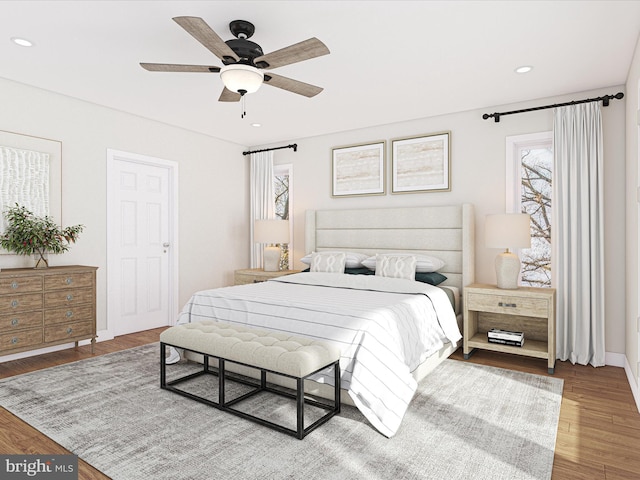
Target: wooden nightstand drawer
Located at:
point(20, 321)
point(17, 285)
point(257, 275)
point(509, 305)
point(21, 339)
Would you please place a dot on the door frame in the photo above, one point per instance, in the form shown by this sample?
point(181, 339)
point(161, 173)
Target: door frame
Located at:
point(172, 257)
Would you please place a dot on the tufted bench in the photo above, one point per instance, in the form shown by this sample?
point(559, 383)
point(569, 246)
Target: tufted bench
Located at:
point(266, 351)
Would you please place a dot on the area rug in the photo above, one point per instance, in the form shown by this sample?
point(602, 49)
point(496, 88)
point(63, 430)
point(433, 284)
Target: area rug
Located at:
point(465, 421)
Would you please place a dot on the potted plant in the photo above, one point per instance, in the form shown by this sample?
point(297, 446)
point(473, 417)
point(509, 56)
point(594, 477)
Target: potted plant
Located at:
point(28, 234)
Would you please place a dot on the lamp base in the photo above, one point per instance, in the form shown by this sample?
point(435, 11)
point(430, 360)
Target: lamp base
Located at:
point(507, 270)
point(271, 259)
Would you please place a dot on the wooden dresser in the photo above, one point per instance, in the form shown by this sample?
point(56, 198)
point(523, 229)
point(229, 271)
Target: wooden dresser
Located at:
point(44, 307)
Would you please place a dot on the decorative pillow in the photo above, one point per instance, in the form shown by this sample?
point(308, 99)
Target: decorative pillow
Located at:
point(359, 271)
point(328, 262)
point(402, 266)
point(432, 278)
point(353, 259)
point(424, 263)
point(352, 271)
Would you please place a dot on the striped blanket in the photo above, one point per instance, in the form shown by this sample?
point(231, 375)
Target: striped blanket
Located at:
point(385, 327)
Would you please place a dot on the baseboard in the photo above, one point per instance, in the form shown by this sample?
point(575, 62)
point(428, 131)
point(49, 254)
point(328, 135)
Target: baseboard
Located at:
point(102, 336)
point(615, 359)
point(633, 383)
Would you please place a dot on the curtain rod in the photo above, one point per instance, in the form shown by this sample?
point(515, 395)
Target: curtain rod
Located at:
point(605, 103)
point(293, 145)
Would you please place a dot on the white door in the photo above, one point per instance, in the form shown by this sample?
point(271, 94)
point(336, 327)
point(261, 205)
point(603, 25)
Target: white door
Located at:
point(140, 242)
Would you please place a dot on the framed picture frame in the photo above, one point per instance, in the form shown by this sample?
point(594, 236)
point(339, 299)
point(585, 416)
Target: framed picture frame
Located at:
point(30, 175)
point(358, 170)
point(421, 164)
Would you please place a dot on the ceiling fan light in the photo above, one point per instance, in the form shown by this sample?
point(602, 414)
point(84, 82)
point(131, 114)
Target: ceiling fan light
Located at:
point(237, 77)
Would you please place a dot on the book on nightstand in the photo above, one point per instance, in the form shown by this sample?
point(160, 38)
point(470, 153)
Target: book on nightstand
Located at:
point(505, 337)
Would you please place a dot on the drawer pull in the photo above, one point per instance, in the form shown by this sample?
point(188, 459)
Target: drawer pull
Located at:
point(14, 340)
point(69, 314)
point(14, 284)
point(69, 330)
point(14, 322)
point(14, 303)
point(69, 280)
point(510, 305)
point(69, 297)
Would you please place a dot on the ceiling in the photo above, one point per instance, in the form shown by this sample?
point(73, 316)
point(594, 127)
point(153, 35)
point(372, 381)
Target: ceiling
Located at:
point(390, 61)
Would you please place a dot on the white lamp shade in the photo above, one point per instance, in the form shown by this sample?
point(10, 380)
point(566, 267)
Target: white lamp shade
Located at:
point(271, 231)
point(239, 77)
point(508, 230)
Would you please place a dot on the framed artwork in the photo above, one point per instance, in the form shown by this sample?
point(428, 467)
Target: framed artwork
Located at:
point(421, 164)
point(30, 175)
point(358, 170)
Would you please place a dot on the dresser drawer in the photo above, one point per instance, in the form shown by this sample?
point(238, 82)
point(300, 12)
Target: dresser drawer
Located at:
point(20, 303)
point(18, 285)
point(509, 305)
point(55, 333)
point(71, 314)
point(21, 339)
point(20, 321)
point(68, 280)
point(70, 297)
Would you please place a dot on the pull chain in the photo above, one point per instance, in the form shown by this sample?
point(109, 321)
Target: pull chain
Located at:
point(242, 93)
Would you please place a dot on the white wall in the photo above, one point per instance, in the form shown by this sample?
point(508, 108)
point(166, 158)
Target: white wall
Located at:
point(632, 215)
point(213, 179)
point(478, 177)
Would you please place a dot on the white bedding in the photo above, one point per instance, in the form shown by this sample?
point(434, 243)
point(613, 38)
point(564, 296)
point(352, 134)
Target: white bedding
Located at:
point(385, 327)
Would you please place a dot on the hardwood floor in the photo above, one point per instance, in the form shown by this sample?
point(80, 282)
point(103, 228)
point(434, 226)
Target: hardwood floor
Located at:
point(598, 432)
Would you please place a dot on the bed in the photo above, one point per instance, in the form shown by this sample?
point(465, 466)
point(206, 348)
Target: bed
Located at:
point(380, 323)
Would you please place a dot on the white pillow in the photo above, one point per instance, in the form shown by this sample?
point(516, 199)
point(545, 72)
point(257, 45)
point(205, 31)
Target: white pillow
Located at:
point(353, 259)
point(331, 262)
point(396, 266)
point(424, 263)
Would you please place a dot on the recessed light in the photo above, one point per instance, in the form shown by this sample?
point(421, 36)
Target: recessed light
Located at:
point(23, 42)
point(256, 125)
point(524, 69)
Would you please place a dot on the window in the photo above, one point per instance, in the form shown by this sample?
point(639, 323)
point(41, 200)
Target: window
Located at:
point(529, 182)
point(282, 176)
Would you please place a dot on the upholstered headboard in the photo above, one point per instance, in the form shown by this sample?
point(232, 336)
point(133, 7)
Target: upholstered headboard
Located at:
point(446, 232)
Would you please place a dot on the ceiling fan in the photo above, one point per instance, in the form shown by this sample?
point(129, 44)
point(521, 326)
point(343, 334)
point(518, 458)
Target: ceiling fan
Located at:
point(244, 60)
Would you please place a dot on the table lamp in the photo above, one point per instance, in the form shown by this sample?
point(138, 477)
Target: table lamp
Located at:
point(508, 230)
point(271, 233)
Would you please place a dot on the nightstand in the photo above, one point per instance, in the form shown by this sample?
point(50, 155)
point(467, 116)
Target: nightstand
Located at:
point(527, 309)
point(257, 275)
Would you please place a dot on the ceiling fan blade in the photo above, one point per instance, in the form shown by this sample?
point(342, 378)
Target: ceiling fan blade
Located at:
point(198, 29)
point(229, 96)
point(169, 67)
point(291, 85)
point(298, 52)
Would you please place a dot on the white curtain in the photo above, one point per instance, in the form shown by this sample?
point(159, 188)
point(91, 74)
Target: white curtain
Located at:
point(578, 225)
point(263, 205)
